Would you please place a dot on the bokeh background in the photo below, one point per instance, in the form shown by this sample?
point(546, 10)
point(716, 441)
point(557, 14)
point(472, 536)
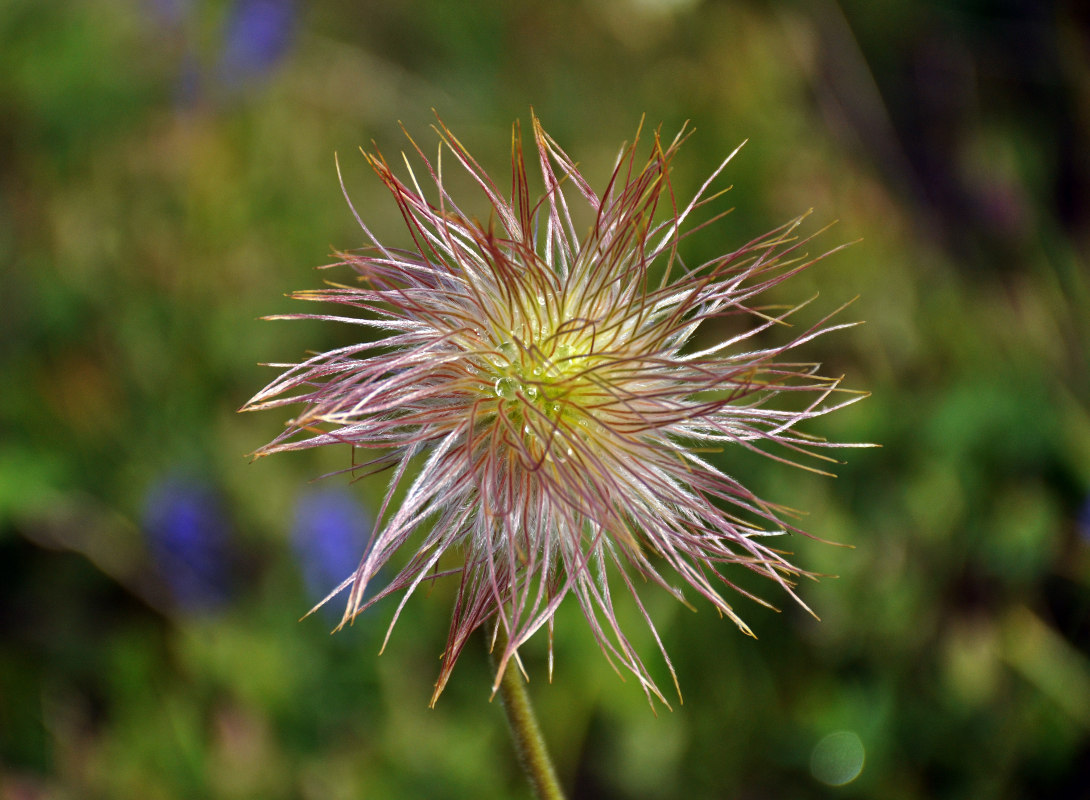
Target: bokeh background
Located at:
point(167, 175)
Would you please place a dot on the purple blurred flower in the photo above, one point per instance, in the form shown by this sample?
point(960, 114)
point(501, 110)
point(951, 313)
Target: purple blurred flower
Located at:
point(187, 536)
point(1082, 521)
point(329, 535)
point(257, 36)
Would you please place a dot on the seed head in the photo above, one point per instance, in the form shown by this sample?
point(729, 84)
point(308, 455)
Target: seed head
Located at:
point(538, 390)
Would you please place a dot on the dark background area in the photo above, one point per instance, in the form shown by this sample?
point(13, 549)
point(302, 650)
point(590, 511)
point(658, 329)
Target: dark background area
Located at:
point(167, 175)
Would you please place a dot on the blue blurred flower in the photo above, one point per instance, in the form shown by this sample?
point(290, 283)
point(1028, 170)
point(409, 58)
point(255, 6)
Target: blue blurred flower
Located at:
point(329, 537)
point(257, 36)
point(1082, 521)
point(187, 537)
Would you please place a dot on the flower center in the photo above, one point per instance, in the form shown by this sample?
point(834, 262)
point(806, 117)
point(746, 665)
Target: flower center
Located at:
point(538, 377)
point(541, 389)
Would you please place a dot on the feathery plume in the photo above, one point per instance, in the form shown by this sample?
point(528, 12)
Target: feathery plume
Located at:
point(537, 390)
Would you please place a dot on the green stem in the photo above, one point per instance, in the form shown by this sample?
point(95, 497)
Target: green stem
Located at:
point(529, 743)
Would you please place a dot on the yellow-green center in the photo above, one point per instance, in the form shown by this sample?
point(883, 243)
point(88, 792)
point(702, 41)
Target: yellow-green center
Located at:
point(542, 379)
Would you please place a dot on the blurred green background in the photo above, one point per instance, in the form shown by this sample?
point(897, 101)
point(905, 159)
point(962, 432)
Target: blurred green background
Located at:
point(167, 175)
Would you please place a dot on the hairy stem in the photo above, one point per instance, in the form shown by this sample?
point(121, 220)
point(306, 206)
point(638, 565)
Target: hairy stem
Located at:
point(529, 743)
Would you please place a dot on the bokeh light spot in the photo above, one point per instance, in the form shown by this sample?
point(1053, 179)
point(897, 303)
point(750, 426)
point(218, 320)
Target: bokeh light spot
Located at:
point(838, 758)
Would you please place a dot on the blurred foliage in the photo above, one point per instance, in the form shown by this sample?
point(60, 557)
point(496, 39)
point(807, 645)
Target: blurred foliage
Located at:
point(166, 175)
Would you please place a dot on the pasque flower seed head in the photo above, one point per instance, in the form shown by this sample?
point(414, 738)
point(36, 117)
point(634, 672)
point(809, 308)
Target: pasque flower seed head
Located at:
point(537, 390)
